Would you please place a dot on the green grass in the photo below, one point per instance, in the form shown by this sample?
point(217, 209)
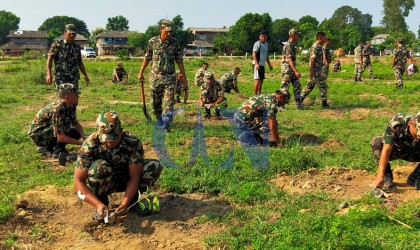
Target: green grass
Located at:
point(360, 111)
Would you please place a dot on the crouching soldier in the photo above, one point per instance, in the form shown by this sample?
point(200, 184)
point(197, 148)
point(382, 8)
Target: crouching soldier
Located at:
point(112, 160)
point(230, 80)
point(400, 141)
point(212, 95)
point(56, 125)
point(250, 118)
point(119, 74)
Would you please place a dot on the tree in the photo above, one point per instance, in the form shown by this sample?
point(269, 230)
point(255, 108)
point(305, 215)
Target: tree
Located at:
point(394, 14)
point(347, 15)
point(93, 34)
point(8, 21)
point(350, 36)
point(55, 26)
point(117, 23)
point(308, 19)
point(280, 30)
point(137, 40)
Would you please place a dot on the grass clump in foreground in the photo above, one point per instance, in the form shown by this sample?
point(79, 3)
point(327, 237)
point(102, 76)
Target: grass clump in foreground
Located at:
point(265, 217)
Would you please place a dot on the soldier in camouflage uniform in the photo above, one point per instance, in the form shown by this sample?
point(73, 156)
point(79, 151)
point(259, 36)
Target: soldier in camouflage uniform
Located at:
point(181, 89)
point(289, 72)
point(366, 59)
point(399, 61)
point(112, 160)
point(163, 51)
point(358, 62)
point(251, 117)
point(317, 76)
point(326, 57)
point(56, 124)
point(337, 66)
point(400, 141)
point(230, 80)
point(212, 95)
point(119, 74)
point(199, 76)
point(67, 60)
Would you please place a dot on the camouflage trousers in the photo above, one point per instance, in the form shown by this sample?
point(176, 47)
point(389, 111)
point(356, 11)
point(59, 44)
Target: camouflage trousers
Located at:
point(398, 73)
point(368, 65)
point(162, 94)
point(251, 132)
point(120, 76)
point(319, 79)
point(103, 180)
point(411, 155)
point(46, 138)
point(286, 79)
point(325, 71)
point(358, 71)
point(227, 87)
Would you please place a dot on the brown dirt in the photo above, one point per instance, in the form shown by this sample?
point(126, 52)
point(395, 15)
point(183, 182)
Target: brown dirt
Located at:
point(54, 218)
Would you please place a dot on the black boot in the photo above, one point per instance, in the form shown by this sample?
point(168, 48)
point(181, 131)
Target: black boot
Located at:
point(414, 178)
point(207, 115)
point(325, 104)
point(218, 115)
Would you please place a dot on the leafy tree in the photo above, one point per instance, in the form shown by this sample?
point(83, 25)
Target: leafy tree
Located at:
point(55, 26)
point(394, 14)
point(280, 30)
point(330, 28)
point(308, 37)
point(308, 19)
point(137, 40)
point(376, 30)
point(350, 36)
point(347, 15)
point(117, 23)
point(93, 34)
point(8, 21)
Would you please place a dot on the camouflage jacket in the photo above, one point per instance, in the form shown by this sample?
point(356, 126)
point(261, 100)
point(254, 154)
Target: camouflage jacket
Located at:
point(128, 151)
point(358, 54)
point(255, 106)
point(397, 133)
point(229, 79)
point(211, 94)
point(66, 60)
point(199, 77)
point(326, 52)
point(316, 53)
point(401, 55)
point(366, 54)
point(164, 55)
point(121, 72)
point(54, 114)
point(289, 51)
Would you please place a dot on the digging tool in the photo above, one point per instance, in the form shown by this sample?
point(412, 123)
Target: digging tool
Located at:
point(144, 102)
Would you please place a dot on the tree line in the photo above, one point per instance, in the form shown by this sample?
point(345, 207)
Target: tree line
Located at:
point(346, 27)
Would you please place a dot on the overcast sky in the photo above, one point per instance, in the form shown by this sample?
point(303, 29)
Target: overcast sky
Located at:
point(195, 13)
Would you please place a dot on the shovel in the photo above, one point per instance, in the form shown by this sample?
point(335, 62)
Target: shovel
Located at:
point(144, 102)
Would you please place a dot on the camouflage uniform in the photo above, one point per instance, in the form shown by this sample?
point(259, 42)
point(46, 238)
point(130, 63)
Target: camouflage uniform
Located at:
point(108, 169)
point(358, 65)
point(337, 67)
point(210, 94)
point(121, 72)
point(288, 76)
point(325, 68)
point(164, 55)
point(366, 60)
point(229, 81)
point(66, 60)
point(405, 147)
point(41, 130)
point(401, 55)
point(199, 77)
point(181, 89)
point(319, 77)
point(251, 117)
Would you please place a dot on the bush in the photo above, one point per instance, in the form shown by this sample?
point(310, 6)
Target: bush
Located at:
point(32, 54)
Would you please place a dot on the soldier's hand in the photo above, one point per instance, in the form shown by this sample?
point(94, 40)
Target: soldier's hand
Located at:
point(48, 79)
point(87, 80)
point(101, 210)
point(378, 182)
point(140, 76)
point(298, 75)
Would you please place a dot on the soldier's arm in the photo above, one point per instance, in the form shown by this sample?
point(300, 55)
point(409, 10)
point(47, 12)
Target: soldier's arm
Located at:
point(383, 162)
point(83, 70)
point(182, 71)
point(274, 132)
point(48, 79)
point(293, 67)
point(79, 129)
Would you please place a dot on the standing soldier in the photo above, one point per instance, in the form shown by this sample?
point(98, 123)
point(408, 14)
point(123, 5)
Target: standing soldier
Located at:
point(366, 60)
point(230, 80)
point(290, 73)
point(181, 88)
point(399, 61)
point(199, 76)
point(316, 76)
point(163, 51)
point(212, 96)
point(358, 62)
point(67, 60)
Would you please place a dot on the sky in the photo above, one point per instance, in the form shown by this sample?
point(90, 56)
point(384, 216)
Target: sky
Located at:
point(195, 13)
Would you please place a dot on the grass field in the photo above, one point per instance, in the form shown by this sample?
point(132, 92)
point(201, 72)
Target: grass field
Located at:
point(264, 216)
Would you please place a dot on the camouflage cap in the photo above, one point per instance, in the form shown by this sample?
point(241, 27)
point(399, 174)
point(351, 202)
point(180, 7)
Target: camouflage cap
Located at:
point(208, 74)
point(108, 126)
point(68, 88)
point(416, 120)
point(294, 31)
point(168, 25)
point(285, 95)
point(70, 28)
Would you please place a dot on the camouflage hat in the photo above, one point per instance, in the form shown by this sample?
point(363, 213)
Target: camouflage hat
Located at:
point(416, 120)
point(294, 31)
point(285, 95)
point(168, 25)
point(70, 28)
point(208, 75)
point(108, 126)
point(68, 88)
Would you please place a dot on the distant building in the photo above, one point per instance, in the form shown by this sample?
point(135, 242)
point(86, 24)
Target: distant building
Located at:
point(108, 43)
point(378, 39)
point(204, 36)
point(21, 41)
point(79, 39)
